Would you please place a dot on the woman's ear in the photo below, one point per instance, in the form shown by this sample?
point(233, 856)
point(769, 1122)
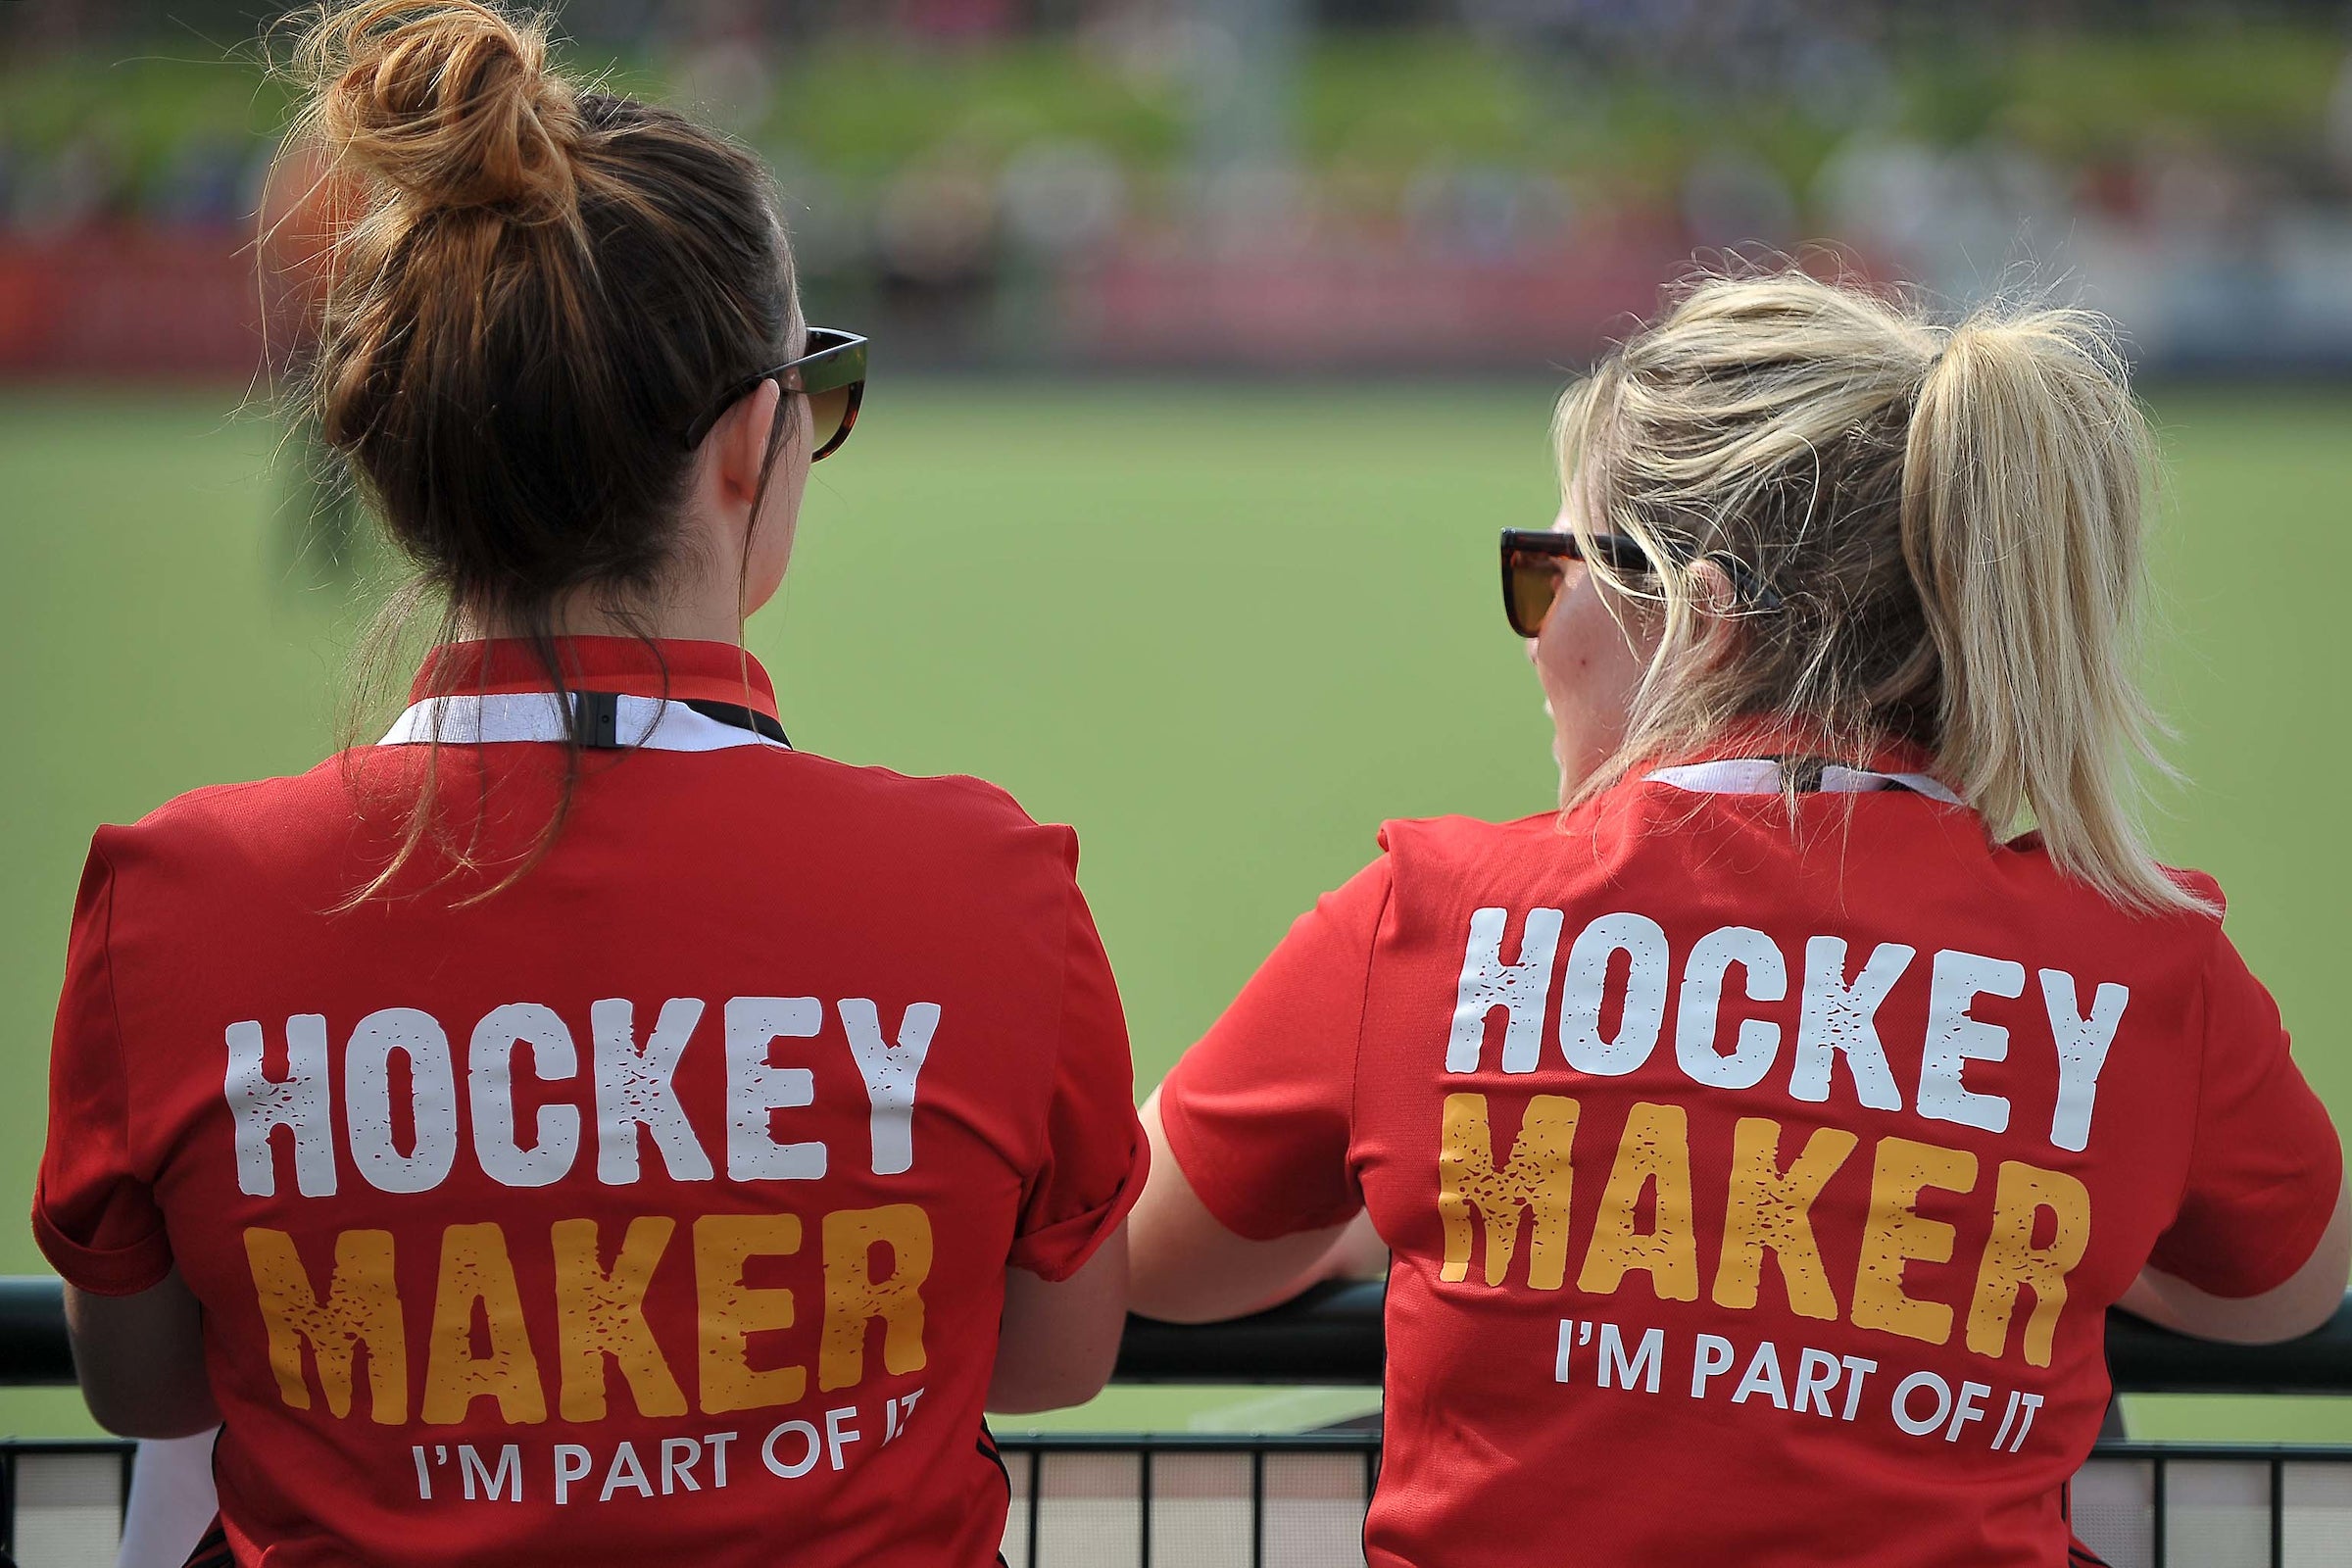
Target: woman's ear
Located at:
point(1717, 606)
point(740, 443)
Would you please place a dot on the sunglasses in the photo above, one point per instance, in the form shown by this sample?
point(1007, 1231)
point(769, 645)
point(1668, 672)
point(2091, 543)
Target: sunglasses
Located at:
point(1534, 560)
point(831, 376)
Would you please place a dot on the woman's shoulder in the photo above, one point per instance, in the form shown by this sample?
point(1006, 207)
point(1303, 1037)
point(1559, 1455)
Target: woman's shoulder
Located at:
point(961, 794)
point(1457, 830)
point(216, 814)
point(931, 805)
point(1442, 840)
point(2029, 860)
point(211, 857)
point(1441, 858)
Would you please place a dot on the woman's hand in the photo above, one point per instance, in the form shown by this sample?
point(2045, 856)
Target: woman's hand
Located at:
point(1184, 1267)
point(141, 1360)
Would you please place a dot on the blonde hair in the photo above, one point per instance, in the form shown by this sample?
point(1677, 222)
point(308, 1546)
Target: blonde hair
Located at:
point(1949, 523)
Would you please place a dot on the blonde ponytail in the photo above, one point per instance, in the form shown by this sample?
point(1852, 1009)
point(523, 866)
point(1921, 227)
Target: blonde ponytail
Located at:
point(1950, 523)
point(2024, 483)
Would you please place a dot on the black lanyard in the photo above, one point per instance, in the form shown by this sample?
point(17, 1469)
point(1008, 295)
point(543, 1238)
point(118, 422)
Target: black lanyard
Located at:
point(596, 720)
point(1804, 773)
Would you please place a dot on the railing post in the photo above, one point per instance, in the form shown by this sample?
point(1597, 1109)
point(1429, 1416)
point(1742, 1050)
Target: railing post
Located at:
point(1143, 1507)
point(1037, 1505)
point(2278, 1513)
point(1257, 1508)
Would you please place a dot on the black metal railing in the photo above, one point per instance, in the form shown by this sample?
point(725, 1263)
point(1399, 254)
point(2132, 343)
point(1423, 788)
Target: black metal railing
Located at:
point(1332, 1334)
point(1199, 1500)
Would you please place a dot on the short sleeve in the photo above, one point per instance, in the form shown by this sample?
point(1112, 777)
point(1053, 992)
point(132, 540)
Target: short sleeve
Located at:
point(93, 1211)
point(1259, 1112)
point(1095, 1159)
point(2266, 1166)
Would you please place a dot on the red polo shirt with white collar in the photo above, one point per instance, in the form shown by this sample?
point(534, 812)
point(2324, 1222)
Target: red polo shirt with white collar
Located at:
point(658, 1201)
point(1757, 1173)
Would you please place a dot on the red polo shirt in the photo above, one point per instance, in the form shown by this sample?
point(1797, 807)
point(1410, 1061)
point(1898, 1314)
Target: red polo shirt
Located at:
point(1756, 1192)
point(658, 1202)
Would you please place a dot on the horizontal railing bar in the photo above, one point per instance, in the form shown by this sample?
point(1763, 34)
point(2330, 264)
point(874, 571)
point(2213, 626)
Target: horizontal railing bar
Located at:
point(1368, 1442)
point(33, 1352)
point(1350, 1441)
point(2142, 1358)
point(1331, 1335)
point(2221, 1452)
point(1368, 1439)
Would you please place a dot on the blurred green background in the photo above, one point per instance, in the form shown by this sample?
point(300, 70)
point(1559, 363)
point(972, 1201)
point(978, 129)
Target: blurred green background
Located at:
point(1224, 629)
point(853, 107)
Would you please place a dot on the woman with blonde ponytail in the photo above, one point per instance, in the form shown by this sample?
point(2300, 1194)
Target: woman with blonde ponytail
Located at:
point(1759, 1139)
point(579, 1127)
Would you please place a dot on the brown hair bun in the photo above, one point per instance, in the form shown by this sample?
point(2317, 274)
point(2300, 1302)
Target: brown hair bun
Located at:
point(449, 102)
point(531, 292)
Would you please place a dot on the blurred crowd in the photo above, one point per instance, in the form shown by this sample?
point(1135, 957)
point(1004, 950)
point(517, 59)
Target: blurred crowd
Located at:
point(1281, 182)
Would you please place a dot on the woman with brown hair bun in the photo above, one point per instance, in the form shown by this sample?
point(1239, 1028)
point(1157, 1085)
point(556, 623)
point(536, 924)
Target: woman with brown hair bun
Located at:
point(579, 1127)
point(1761, 1137)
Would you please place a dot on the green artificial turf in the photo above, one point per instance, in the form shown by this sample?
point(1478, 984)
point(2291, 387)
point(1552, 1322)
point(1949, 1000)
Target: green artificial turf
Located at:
point(1224, 630)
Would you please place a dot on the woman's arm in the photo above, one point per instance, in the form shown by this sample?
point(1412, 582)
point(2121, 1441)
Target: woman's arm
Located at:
point(2305, 1301)
point(141, 1360)
point(1059, 1338)
point(1186, 1267)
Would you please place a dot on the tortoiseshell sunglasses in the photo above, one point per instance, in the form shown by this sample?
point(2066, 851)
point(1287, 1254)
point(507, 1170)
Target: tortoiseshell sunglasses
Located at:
point(1532, 564)
point(831, 376)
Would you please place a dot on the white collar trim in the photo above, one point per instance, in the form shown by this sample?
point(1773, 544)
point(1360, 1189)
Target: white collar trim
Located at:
point(1758, 775)
point(646, 722)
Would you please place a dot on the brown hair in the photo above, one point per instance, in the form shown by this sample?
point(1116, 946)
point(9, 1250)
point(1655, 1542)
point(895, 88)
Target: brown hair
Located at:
point(540, 289)
point(1950, 517)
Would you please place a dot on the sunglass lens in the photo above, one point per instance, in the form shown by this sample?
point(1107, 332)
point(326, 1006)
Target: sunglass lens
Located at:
point(1535, 582)
point(828, 413)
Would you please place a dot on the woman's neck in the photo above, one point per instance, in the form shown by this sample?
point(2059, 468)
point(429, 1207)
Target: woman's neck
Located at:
point(584, 614)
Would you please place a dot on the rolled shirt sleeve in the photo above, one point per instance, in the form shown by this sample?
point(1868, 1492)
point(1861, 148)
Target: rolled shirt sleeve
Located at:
point(2266, 1164)
point(94, 1212)
point(1260, 1113)
point(1092, 1168)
